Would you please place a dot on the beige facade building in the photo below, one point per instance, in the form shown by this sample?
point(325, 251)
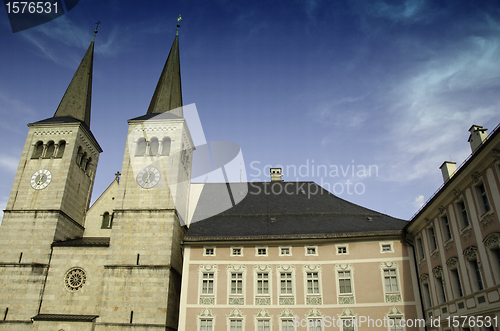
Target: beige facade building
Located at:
point(456, 237)
point(282, 256)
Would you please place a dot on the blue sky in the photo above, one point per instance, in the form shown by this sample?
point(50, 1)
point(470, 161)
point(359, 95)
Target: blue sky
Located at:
point(394, 85)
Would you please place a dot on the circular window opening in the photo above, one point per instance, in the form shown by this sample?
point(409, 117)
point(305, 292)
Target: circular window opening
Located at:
point(75, 279)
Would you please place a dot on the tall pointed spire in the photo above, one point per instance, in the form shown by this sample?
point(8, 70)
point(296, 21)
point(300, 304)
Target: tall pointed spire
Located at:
point(77, 98)
point(168, 92)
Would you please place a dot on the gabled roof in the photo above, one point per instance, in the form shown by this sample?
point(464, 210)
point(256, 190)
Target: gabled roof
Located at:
point(283, 210)
point(77, 98)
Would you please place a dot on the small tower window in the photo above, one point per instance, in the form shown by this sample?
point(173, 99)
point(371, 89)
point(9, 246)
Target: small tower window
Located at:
point(37, 152)
point(141, 147)
point(79, 156)
point(153, 147)
point(83, 161)
point(106, 221)
point(60, 150)
point(165, 149)
point(87, 164)
point(50, 150)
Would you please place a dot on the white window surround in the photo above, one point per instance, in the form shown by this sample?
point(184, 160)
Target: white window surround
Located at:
point(257, 248)
point(312, 298)
point(263, 315)
point(397, 315)
point(337, 249)
point(385, 244)
point(235, 315)
point(391, 296)
point(311, 250)
point(286, 269)
point(315, 320)
point(236, 269)
point(288, 315)
point(463, 223)
point(348, 298)
point(206, 314)
point(236, 248)
point(208, 269)
point(480, 202)
point(207, 250)
point(281, 248)
point(262, 269)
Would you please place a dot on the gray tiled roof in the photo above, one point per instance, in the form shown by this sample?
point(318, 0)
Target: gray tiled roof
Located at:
point(284, 210)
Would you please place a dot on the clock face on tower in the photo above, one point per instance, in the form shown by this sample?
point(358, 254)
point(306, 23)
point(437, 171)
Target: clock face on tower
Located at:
point(148, 177)
point(41, 179)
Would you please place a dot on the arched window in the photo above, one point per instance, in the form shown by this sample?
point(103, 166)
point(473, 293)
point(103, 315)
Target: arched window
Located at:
point(141, 147)
point(153, 147)
point(83, 162)
point(60, 150)
point(37, 152)
point(87, 164)
point(165, 150)
point(50, 150)
point(79, 156)
point(106, 221)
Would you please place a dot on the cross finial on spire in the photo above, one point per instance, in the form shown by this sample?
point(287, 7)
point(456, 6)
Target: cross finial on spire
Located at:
point(179, 19)
point(95, 31)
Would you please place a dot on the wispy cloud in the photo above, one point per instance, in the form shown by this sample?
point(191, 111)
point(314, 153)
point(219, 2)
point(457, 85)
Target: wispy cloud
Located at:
point(9, 163)
point(418, 202)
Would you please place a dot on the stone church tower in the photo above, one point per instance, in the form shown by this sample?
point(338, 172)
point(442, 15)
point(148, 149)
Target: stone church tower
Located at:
point(116, 265)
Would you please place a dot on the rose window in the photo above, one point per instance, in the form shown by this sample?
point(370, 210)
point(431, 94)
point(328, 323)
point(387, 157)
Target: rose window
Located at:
point(75, 279)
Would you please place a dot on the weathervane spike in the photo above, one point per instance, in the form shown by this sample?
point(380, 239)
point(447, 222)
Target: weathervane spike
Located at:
point(179, 19)
point(95, 31)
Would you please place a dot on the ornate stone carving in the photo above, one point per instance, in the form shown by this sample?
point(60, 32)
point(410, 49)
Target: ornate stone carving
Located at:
point(391, 264)
point(263, 314)
point(346, 299)
point(424, 279)
point(396, 297)
point(264, 267)
point(476, 177)
point(313, 300)
point(429, 222)
point(442, 210)
point(236, 301)
point(434, 254)
point(449, 244)
point(496, 154)
point(347, 312)
point(466, 232)
point(287, 301)
point(452, 263)
point(262, 301)
point(75, 279)
point(208, 267)
point(206, 313)
point(487, 219)
point(314, 267)
point(207, 301)
point(422, 263)
point(287, 313)
point(395, 311)
point(470, 253)
point(438, 272)
point(458, 194)
point(343, 266)
point(285, 267)
point(236, 267)
point(314, 313)
point(491, 241)
point(235, 313)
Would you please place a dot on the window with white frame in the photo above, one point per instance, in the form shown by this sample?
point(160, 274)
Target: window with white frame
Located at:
point(236, 283)
point(420, 249)
point(262, 283)
point(456, 284)
point(209, 251)
point(348, 324)
point(235, 325)
point(285, 251)
point(341, 249)
point(261, 251)
point(207, 286)
point(345, 282)
point(236, 251)
point(492, 241)
point(206, 324)
point(386, 248)
point(391, 280)
point(484, 203)
point(432, 238)
point(395, 324)
point(312, 283)
point(311, 250)
point(445, 225)
point(462, 213)
point(286, 283)
point(426, 293)
point(263, 325)
point(441, 289)
point(314, 324)
point(287, 325)
point(471, 255)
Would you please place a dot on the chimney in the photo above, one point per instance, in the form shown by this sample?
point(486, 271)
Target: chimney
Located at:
point(276, 175)
point(477, 136)
point(448, 168)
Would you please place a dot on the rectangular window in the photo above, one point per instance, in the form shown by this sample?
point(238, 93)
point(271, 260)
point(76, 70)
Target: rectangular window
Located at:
point(432, 238)
point(287, 325)
point(485, 204)
point(427, 296)
point(208, 284)
point(391, 281)
point(477, 275)
point(348, 324)
point(342, 250)
point(206, 325)
point(395, 324)
point(236, 283)
point(263, 325)
point(286, 283)
point(345, 282)
point(262, 251)
point(209, 251)
point(285, 251)
point(420, 249)
point(441, 290)
point(314, 324)
point(263, 283)
point(386, 248)
point(311, 250)
point(463, 213)
point(312, 283)
point(235, 325)
point(236, 251)
point(446, 227)
point(457, 286)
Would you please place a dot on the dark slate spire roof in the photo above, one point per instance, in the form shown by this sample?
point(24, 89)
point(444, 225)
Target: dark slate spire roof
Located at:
point(76, 101)
point(284, 210)
point(168, 92)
